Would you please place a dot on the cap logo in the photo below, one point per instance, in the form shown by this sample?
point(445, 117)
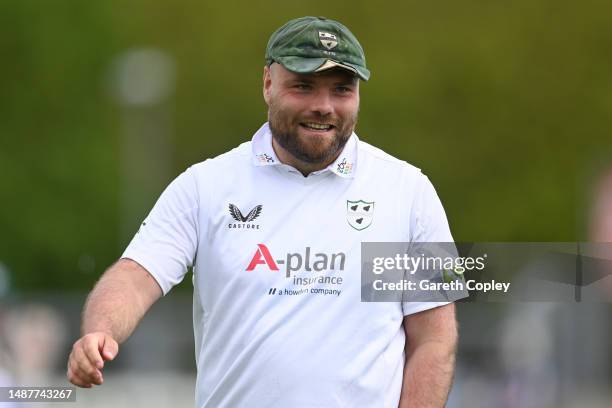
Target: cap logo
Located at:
point(328, 40)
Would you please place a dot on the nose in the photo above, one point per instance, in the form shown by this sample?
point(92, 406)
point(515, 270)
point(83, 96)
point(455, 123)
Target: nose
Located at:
point(321, 103)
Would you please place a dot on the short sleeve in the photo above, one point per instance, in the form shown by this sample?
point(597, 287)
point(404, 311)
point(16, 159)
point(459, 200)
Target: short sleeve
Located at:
point(428, 223)
point(166, 243)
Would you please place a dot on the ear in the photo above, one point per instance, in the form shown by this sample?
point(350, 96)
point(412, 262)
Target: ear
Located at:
point(267, 84)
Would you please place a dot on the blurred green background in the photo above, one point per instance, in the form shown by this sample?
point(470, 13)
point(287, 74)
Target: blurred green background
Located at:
point(506, 106)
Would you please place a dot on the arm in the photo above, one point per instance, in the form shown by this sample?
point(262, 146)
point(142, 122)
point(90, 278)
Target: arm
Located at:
point(112, 311)
point(431, 342)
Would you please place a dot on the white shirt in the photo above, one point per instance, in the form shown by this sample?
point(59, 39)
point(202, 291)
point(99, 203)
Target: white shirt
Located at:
point(278, 319)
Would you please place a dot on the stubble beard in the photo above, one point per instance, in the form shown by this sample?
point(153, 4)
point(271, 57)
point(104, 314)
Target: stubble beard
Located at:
point(314, 150)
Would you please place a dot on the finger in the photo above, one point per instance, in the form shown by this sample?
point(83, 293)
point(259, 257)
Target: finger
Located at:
point(86, 377)
point(77, 376)
point(78, 382)
point(88, 371)
point(69, 371)
point(109, 348)
point(90, 346)
point(74, 379)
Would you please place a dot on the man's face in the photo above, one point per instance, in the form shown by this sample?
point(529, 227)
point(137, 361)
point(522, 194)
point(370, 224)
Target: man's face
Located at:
point(311, 116)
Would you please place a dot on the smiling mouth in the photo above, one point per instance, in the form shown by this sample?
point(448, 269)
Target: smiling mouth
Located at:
point(316, 127)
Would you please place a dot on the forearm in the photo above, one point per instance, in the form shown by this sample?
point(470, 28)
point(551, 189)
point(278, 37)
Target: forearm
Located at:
point(428, 374)
point(114, 306)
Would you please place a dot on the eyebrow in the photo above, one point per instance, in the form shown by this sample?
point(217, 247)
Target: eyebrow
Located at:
point(300, 78)
point(348, 81)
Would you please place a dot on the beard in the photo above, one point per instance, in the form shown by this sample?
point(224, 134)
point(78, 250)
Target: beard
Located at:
point(313, 150)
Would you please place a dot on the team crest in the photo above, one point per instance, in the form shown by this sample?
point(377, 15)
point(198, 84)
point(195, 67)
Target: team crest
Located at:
point(328, 40)
point(359, 214)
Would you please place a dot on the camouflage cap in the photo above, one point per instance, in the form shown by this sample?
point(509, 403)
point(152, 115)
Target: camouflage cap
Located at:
point(314, 44)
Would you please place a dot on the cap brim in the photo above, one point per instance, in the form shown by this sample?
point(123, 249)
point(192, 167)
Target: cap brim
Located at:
point(302, 65)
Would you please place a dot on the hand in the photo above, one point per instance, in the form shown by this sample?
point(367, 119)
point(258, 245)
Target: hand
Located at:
point(87, 358)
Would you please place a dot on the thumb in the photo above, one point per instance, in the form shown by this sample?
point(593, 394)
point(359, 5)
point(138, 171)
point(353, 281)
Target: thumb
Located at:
point(110, 348)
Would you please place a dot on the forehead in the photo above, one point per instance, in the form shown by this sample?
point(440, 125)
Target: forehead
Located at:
point(332, 75)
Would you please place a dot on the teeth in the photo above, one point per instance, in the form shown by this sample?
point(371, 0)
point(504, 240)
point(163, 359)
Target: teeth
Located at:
point(317, 126)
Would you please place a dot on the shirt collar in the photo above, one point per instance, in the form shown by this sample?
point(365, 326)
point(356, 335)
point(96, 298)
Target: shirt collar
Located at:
point(263, 154)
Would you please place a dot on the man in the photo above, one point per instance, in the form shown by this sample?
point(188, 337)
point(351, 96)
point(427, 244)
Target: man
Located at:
point(273, 230)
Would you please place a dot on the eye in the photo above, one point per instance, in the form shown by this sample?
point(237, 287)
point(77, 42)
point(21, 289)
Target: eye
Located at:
point(303, 86)
point(343, 89)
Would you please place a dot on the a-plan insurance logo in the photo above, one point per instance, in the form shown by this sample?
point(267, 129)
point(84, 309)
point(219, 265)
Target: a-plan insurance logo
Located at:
point(306, 261)
point(359, 214)
point(245, 222)
point(306, 272)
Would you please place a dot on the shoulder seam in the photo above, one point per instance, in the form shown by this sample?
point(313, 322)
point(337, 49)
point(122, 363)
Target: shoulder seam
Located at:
point(379, 154)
